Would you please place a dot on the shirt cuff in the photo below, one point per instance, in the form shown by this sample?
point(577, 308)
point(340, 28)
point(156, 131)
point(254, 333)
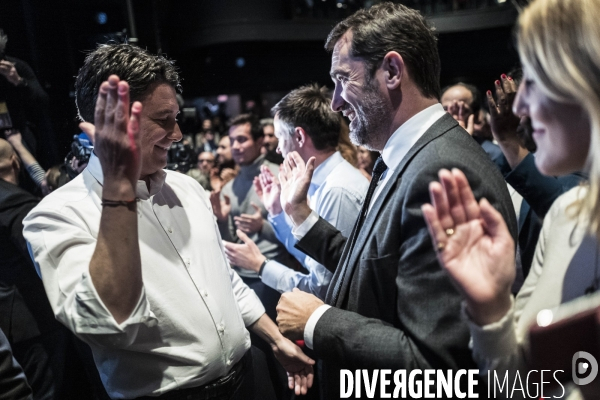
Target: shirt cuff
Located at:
point(276, 218)
point(93, 317)
point(301, 230)
point(272, 273)
point(495, 340)
point(309, 329)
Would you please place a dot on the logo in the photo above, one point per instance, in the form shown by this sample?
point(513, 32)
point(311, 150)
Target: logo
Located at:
point(582, 368)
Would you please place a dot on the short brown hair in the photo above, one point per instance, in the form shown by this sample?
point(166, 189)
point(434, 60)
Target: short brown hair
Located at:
point(255, 128)
point(309, 107)
point(389, 27)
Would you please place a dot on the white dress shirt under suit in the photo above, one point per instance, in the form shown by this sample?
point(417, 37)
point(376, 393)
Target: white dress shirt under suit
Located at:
point(336, 193)
point(189, 325)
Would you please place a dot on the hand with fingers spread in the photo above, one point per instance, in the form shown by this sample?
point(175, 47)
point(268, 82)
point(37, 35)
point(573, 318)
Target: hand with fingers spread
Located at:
point(250, 223)
point(221, 208)
point(474, 246)
point(246, 256)
point(461, 112)
point(294, 178)
point(269, 190)
point(502, 120)
point(116, 139)
point(504, 123)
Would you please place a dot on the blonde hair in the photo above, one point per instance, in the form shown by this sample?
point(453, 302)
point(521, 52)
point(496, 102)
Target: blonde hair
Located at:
point(559, 43)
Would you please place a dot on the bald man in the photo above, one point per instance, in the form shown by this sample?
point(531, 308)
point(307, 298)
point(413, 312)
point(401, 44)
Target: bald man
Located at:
point(9, 163)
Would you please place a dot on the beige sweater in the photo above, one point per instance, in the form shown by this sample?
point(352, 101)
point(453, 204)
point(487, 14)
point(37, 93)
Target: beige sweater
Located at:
point(565, 265)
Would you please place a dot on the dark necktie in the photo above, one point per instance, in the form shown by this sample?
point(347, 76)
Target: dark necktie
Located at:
point(378, 170)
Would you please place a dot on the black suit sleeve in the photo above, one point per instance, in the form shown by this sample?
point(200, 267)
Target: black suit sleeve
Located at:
point(539, 190)
point(324, 243)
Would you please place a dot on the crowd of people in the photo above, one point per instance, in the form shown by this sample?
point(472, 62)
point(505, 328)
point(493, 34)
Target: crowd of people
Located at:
point(388, 224)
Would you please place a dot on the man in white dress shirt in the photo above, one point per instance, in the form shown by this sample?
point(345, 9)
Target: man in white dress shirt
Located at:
point(305, 123)
point(131, 257)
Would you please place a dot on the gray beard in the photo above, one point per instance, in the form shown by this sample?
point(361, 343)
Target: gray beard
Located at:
point(371, 120)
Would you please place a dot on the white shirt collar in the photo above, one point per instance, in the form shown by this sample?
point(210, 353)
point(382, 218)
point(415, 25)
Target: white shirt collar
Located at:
point(157, 179)
point(408, 133)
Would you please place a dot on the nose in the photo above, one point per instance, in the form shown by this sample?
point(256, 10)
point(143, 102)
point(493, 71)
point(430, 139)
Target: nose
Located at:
point(520, 106)
point(176, 135)
point(337, 102)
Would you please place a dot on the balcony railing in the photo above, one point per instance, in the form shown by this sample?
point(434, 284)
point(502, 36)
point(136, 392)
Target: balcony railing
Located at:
point(339, 9)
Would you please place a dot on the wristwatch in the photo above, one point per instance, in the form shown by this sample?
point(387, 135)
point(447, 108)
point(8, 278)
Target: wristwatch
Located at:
point(262, 267)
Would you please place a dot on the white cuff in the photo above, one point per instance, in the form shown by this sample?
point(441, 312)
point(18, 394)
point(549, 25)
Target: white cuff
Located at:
point(309, 329)
point(301, 230)
point(495, 340)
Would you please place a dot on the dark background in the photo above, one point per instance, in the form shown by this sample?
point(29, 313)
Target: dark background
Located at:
point(280, 41)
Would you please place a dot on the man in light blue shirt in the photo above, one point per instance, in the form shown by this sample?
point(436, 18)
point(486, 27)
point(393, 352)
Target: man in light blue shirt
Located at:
point(305, 123)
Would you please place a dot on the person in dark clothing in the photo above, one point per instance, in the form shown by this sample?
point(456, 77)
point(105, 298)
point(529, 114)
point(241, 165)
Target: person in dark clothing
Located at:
point(21, 95)
point(13, 385)
point(39, 342)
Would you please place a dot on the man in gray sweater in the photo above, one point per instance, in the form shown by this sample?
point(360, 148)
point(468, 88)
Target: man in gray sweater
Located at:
point(238, 206)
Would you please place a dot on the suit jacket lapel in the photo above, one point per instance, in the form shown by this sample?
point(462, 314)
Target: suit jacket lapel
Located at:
point(440, 127)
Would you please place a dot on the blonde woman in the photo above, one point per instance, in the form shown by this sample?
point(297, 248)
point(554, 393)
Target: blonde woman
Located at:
point(559, 45)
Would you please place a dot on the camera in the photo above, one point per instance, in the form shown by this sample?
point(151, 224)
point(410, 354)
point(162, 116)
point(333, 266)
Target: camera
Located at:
point(81, 149)
point(181, 157)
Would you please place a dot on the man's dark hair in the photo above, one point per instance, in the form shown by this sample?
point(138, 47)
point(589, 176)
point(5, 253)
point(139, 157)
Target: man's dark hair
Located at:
point(130, 63)
point(309, 107)
point(255, 128)
point(389, 27)
point(475, 96)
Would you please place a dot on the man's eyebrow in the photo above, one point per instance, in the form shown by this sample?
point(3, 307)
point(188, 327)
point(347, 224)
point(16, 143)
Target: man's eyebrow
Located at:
point(337, 71)
point(164, 112)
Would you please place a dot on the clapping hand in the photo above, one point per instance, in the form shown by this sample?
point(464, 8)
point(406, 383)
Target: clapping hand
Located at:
point(250, 223)
point(461, 112)
point(294, 178)
point(269, 190)
point(246, 256)
point(502, 120)
point(474, 246)
point(221, 208)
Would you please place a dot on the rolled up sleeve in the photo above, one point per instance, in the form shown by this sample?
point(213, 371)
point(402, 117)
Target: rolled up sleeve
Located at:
point(62, 247)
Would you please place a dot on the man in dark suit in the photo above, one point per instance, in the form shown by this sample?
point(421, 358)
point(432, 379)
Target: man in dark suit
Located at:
point(390, 305)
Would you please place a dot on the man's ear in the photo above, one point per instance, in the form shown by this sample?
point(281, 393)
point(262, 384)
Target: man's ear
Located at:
point(393, 70)
point(15, 163)
point(300, 136)
point(259, 141)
